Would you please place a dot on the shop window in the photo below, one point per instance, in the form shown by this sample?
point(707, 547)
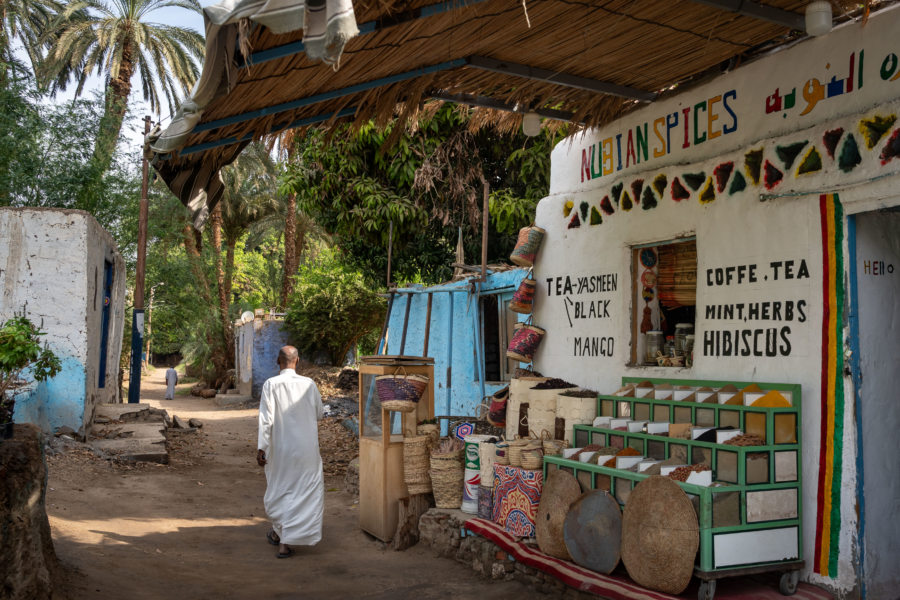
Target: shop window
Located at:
point(665, 284)
point(496, 329)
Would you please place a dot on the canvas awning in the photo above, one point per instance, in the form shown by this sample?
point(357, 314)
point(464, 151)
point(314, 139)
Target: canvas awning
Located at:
point(581, 61)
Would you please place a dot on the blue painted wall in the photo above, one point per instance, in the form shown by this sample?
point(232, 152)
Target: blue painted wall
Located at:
point(455, 337)
point(56, 402)
point(268, 338)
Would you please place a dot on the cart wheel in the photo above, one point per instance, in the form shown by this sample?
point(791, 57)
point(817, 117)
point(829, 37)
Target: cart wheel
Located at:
point(707, 590)
point(788, 583)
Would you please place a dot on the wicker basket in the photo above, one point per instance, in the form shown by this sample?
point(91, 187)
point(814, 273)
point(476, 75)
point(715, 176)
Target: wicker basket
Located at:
point(502, 454)
point(400, 392)
point(432, 430)
point(416, 464)
point(515, 451)
point(532, 457)
point(447, 479)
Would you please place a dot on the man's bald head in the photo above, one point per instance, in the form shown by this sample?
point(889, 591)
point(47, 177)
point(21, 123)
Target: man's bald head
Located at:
point(288, 357)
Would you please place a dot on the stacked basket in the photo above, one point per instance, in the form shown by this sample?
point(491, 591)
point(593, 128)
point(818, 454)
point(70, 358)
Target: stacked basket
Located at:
point(415, 464)
point(447, 474)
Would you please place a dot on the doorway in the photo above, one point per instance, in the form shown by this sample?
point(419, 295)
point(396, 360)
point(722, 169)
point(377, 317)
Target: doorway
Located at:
point(874, 243)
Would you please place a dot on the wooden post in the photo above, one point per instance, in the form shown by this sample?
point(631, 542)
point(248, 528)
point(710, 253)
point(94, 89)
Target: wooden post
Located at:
point(390, 249)
point(427, 324)
point(484, 232)
point(137, 318)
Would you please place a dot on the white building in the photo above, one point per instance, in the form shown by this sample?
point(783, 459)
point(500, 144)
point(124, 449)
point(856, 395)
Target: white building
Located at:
point(64, 270)
point(773, 195)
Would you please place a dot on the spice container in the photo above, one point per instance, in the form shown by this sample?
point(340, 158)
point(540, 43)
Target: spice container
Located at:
point(689, 350)
point(654, 345)
point(682, 330)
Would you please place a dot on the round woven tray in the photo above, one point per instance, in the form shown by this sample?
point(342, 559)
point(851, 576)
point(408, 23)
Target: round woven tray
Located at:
point(660, 535)
point(593, 531)
point(560, 491)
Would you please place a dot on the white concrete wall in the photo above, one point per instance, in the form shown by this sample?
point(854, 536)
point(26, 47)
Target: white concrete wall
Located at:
point(757, 230)
point(47, 262)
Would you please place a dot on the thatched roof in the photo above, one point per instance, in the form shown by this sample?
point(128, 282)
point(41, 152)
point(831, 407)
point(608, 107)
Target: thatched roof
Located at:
point(585, 61)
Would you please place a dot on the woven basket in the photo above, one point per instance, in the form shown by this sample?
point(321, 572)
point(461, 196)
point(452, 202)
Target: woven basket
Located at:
point(550, 446)
point(524, 342)
point(515, 451)
point(523, 299)
point(416, 464)
point(527, 245)
point(400, 392)
point(532, 457)
point(501, 454)
point(432, 430)
point(447, 476)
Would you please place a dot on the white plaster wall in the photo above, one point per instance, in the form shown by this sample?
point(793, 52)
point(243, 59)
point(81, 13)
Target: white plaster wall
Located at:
point(101, 248)
point(47, 263)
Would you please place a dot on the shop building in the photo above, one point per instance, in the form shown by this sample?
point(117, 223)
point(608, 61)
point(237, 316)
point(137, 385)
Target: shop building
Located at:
point(763, 209)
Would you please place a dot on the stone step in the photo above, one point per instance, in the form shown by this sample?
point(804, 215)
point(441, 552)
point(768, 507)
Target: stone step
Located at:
point(226, 400)
point(233, 392)
point(139, 437)
point(129, 412)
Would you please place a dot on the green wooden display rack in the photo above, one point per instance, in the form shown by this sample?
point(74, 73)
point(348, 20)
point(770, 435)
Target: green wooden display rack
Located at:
point(741, 533)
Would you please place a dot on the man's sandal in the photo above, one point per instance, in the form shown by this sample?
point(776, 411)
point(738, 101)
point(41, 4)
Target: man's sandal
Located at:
point(273, 538)
point(289, 552)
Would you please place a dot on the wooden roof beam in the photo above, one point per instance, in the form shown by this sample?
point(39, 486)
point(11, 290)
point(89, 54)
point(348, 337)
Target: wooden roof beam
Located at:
point(558, 78)
point(487, 102)
point(755, 10)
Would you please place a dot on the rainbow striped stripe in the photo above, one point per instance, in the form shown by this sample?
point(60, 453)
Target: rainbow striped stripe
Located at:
point(828, 517)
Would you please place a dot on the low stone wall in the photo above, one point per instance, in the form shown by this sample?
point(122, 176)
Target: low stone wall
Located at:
point(443, 530)
point(27, 559)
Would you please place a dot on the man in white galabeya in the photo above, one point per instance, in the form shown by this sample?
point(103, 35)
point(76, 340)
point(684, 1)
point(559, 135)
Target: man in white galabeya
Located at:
point(288, 448)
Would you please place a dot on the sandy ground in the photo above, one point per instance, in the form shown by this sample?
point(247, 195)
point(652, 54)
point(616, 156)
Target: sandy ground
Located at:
point(195, 528)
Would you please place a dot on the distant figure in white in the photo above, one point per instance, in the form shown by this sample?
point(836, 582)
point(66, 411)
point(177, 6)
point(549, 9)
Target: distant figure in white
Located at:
point(288, 448)
point(171, 380)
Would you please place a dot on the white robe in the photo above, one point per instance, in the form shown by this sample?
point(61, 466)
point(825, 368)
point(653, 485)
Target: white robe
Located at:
point(171, 380)
point(288, 433)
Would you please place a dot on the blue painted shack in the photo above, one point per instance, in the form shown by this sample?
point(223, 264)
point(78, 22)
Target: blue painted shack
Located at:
point(469, 331)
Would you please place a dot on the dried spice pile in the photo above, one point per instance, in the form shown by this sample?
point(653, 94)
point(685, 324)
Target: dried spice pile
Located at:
point(682, 473)
point(746, 439)
point(553, 384)
point(581, 394)
point(624, 452)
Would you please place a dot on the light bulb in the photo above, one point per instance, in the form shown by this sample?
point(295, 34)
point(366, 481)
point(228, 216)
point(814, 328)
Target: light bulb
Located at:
point(531, 124)
point(818, 17)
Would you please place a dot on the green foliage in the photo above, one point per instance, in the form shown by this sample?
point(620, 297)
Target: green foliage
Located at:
point(21, 350)
point(332, 307)
point(509, 213)
point(427, 182)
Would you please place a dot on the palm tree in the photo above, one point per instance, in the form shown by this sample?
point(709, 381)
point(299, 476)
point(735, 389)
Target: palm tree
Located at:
point(114, 39)
point(27, 21)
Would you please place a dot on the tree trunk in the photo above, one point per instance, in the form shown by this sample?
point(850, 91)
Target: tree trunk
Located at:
point(230, 244)
point(216, 232)
point(290, 250)
point(110, 124)
point(194, 259)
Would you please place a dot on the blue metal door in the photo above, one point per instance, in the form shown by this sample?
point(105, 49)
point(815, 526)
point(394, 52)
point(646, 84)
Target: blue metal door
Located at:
point(104, 326)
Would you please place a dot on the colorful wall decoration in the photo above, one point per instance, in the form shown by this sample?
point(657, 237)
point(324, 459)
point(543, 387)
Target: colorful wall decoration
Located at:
point(831, 452)
point(868, 143)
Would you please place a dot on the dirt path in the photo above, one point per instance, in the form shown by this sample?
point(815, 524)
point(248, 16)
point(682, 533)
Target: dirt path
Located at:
point(195, 528)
